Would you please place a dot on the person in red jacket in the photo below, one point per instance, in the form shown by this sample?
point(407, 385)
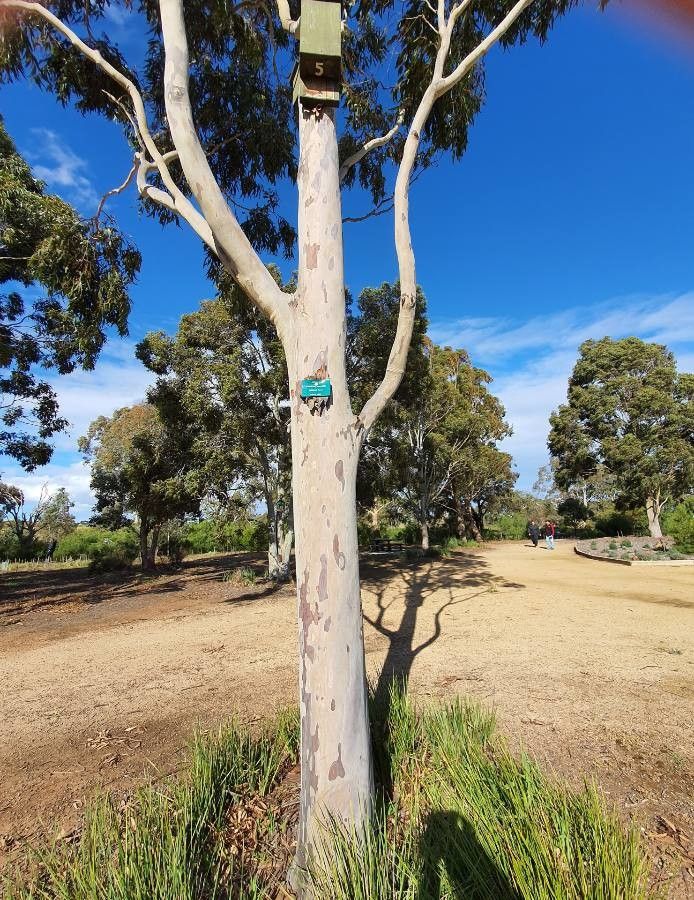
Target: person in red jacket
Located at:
point(549, 534)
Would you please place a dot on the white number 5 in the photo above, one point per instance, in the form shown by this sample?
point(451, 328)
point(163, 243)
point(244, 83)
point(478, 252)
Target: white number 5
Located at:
point(319, 69)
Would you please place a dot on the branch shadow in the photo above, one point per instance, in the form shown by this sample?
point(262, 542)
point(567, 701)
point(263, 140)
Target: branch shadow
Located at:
point(456, 865)
point(457, 579)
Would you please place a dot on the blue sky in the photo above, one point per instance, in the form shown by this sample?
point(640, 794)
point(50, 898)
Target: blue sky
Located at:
point(571, 216)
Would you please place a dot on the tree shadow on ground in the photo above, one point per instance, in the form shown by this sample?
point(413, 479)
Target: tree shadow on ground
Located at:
point(43, 588)
point(454, 580)
point(456, 865)
point(429, 588)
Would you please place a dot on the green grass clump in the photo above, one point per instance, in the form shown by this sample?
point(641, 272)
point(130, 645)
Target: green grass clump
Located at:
point(468, 819)
point(613, 545)
point(457, 815)
point(245, 576)
point(625, 543)
point(165, 842)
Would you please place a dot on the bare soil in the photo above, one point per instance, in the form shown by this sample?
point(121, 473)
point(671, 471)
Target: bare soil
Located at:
point(589, 667)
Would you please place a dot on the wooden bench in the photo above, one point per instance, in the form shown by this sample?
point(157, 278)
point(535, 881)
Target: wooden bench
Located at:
point(385, 545)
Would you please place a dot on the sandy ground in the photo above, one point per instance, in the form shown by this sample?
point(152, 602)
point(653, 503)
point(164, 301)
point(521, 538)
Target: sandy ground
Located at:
point(589, 665)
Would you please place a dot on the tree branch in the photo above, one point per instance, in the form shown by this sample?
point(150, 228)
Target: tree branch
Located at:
point(289, 24)
point(231, 244)
point(371, 145)
point(439, 85)
point(116, 190)
point(173, 202)
point(175, 199)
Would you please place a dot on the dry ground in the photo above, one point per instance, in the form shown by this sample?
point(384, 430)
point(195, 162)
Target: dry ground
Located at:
point(589, 665)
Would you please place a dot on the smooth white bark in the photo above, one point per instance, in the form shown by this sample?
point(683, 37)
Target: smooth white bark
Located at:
point(335, 744)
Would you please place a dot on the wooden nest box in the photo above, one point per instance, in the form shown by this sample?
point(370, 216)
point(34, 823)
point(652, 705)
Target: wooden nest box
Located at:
point(316, 79)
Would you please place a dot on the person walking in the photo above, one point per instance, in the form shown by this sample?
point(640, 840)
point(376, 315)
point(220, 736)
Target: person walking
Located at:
point(549, 534)
point(534, 532)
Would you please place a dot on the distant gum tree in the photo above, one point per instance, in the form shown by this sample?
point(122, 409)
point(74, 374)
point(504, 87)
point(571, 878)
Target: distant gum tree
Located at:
point(209, 113)
point(224, 373)
point(631, 414)
point(140, 466)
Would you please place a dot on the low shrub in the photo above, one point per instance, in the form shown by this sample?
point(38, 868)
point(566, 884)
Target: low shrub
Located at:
point(625, 543)
point(616, 523)
point(245, 576)
point(613, 545)
point(679, 523)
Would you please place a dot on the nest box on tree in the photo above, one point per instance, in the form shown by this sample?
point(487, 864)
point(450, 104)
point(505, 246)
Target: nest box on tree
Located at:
point(316, 80)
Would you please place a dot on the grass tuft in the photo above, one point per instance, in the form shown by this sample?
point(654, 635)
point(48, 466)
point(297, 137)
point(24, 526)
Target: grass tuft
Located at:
point(457, 815)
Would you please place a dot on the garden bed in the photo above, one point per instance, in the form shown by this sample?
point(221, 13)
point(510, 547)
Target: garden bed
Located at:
point(628, 551)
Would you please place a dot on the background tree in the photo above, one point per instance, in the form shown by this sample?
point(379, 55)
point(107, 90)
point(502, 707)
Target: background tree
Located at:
point(140, 466)
point(218, 69)
point(56, 520)
point(224, 370)
point(84, 270)
point(630, 411)
point(433, 452)
point(24, 522)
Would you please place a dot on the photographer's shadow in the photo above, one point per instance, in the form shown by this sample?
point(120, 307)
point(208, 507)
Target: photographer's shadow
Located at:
point(456, 865)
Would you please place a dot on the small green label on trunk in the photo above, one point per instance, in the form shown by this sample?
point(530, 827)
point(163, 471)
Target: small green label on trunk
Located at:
point(315, 387)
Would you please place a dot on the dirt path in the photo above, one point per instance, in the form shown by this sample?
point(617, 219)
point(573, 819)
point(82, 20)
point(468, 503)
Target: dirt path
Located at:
point(589, 665)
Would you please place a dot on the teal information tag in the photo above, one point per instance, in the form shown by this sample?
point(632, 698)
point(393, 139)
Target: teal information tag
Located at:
point(315, 387)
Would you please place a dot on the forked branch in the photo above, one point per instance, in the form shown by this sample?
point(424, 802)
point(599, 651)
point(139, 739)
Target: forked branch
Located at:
point(289, 24)
point(439, 85)
point(217, 225)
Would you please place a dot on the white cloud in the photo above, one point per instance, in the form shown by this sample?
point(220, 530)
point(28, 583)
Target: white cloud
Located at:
point(531, 361)
point(665, 319)
point(73, 476)
point(62, 169)
point(118, 379)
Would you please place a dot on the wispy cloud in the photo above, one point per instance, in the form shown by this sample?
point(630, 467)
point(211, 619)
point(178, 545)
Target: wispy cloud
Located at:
point(665, 319)
point(531, 360)
point(66, 173)
point(73, 476)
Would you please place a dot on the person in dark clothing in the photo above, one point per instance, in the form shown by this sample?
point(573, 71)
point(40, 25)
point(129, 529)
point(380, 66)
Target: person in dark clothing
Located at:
point(534, 532)
point(549, 534)
point(51, 550)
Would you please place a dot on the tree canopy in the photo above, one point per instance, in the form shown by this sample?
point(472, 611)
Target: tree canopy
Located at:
point(241, 58)
point(140, 466)
point(628, 410)
point(224, 372)
point(67, 282)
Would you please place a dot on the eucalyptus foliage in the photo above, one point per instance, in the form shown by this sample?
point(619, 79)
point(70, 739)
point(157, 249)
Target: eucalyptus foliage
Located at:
point(66, 283)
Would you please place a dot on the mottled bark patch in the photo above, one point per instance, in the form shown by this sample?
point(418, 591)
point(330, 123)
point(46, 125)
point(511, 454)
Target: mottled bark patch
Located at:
point(340, 472)
point(331, 263)
point(311, 251)
point(322, 587)
point(307, 616)
point(340, 560)
point(327, 624)
point(320, 364)
point(315, 743)
point(337, 770)
point(332, 704)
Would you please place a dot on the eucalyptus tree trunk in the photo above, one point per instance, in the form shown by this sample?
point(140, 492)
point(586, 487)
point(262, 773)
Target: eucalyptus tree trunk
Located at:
point(280, 538)
point(653, 507)
point(336, 767)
